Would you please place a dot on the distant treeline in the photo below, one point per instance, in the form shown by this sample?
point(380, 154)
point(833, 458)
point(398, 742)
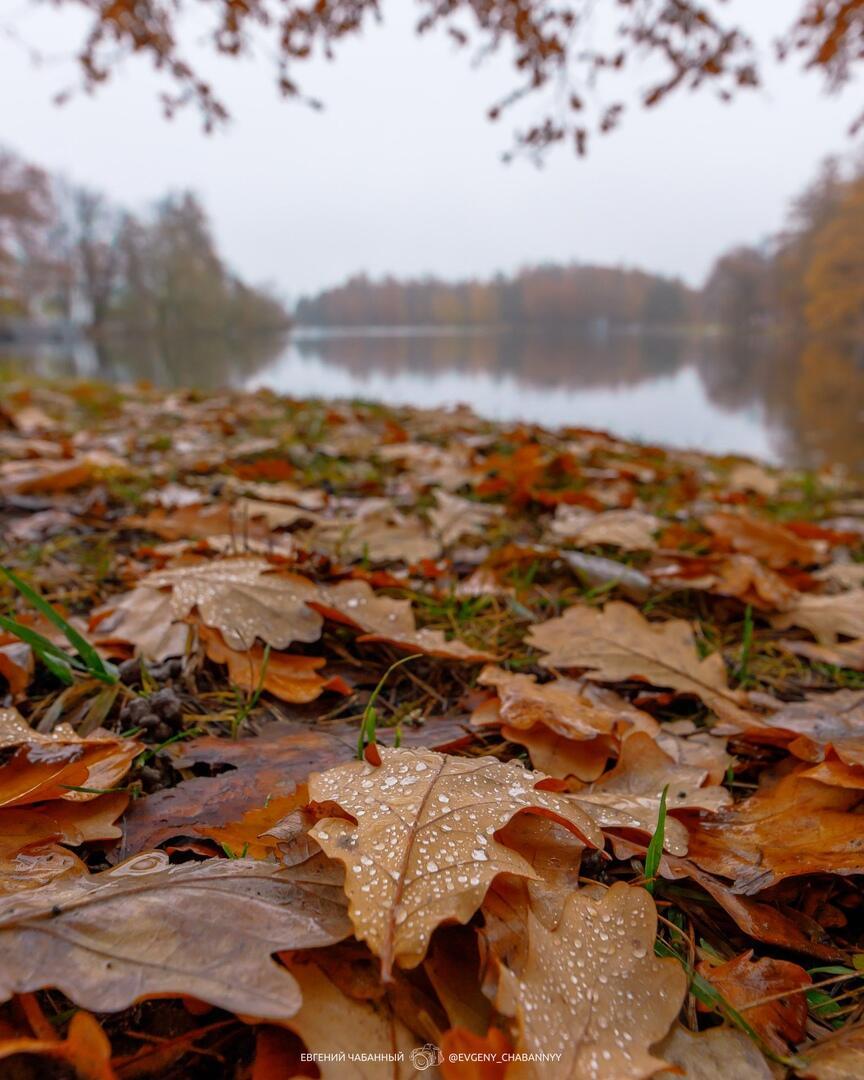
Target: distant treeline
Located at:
point(70, 255)
point(537, 296)
point(810, 277)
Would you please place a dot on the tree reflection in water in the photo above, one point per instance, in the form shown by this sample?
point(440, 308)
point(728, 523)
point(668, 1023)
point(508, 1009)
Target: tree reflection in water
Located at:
point(806, 400)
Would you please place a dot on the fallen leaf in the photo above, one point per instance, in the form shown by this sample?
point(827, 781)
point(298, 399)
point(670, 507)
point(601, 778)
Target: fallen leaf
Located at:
point(146, 928)
point(739, 576)
point(144, 618)
point(378, 533)
point(839, 1057)
point(750, 477)
point(848, 654)
point(31, 477)
point(765, 922)
point(827, 617)
point(85, 1049)
point(17, 666)
point(631, 530)
point(718, 1052)
point(618, 643)
point(744, 982)
point(329, 1022)
point(392, 621)
point(770, 543)
point(567, 706)
point(822, 722)
point(421, 849)
point(754, 844)
point(452, 517)
point(254, 771)
point(50, 766)
point(643, 770)
point(243, 600)
point(593, 991)
point(290, 678)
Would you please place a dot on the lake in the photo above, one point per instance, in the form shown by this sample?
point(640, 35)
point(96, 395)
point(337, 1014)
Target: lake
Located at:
point(794, 405)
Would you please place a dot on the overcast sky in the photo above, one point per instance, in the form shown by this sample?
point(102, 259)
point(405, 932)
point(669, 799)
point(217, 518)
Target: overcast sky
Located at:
point(402, 173)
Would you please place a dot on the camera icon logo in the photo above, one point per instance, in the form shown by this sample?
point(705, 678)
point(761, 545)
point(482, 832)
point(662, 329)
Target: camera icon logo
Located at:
point(426, 1057)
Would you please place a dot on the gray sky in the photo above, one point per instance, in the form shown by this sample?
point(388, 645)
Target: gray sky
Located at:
point(402, 172)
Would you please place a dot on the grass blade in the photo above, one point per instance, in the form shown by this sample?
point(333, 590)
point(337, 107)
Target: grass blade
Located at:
point(655, 848)
point(92, 660)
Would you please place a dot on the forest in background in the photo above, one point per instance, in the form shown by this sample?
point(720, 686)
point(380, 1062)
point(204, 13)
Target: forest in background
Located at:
point(70, 257)
point(809, 276)
point(68, 254)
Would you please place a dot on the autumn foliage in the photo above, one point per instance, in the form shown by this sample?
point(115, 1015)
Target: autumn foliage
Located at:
point(409, 734)
point(560, 50)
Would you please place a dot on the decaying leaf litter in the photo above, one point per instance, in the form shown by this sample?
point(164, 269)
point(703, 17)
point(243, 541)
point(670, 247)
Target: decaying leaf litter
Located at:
point(344, 730)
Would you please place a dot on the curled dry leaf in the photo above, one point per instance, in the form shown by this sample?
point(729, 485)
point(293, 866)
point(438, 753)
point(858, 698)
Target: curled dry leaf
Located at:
point(744, 982)
point(765, 922)
point(770, 543)
point(144, 928)
point(631, 530)
point(827, 617)
point(618, 643)
point(753, 843)
point(570, 727)
point(593, 991)
point(421, 848)
point(290, 678)
point(717, 1052)
point(822, 722)
point(51, 766)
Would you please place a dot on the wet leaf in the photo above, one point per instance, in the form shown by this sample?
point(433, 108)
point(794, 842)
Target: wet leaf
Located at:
point(290, 678)
point(243, 600)
point(593, 991)
point(145, 928)
point(421, 848)
point(52, 766)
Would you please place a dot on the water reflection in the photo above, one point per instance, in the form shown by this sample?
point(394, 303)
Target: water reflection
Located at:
point(720, 394)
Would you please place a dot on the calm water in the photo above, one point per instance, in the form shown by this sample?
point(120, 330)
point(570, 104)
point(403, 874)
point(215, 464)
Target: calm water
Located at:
point(795, 405)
